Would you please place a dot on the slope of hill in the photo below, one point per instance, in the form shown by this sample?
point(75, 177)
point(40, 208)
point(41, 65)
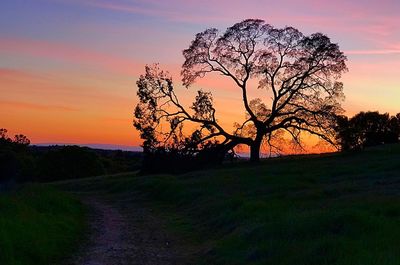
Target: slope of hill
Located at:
point(332, 209)
point(39, 225)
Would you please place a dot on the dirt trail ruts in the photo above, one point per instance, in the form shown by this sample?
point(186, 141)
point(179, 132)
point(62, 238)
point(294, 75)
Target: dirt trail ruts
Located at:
point(128, 235)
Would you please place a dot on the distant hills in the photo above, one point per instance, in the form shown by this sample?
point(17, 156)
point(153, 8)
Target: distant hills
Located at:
point(98, 146)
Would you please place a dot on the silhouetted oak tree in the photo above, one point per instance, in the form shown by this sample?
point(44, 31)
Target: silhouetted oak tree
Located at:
point(298, 73)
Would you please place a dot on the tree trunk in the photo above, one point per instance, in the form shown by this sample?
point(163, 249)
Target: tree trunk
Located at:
point(255, 151)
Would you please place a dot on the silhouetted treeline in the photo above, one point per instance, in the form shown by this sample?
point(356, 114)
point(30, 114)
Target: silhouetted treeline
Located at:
point(20, 162)
point(66, 162)
point(15, 161)
point(367, 129)
point(69, 162)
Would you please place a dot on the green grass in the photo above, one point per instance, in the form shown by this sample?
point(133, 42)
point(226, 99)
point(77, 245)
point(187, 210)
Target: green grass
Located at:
point(341, 209)
point(38, 225)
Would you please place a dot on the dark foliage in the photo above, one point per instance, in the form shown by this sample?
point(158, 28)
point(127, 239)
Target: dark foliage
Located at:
point(298, 73)
point(69, 162)
point(15, 162)
point(117, 161)
point(161, 160)
point(66, 162)
point(367, 129)
point(20, 162)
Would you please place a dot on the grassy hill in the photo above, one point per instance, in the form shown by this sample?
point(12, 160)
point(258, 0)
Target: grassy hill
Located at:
point(39, 225)
point(330, 209)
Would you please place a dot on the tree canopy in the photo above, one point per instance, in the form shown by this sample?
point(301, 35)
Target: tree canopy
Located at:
point(14, 161)
point(367, 129)
point(299, 74)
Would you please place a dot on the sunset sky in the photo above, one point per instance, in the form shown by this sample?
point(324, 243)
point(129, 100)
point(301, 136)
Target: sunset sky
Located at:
point(68, 67)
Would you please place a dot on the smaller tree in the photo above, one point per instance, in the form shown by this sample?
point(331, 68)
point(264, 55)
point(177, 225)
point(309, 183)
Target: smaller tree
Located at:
point(160, 119)
point(3, 133)
point(21, 140)
point(16, 162)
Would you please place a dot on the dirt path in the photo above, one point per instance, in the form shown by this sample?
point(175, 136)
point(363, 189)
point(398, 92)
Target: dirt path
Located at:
point(127, 235)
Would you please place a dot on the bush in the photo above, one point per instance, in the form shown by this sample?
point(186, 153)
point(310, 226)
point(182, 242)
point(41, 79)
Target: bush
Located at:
point(162, 160)
point(69, 162)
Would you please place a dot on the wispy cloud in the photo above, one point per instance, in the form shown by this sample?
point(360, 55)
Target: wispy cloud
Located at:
point(170, 10)
point(14, 74)
point(60, 51)
point(226, 10)
point(373, 52)
point(36, 106)
point(130, 8)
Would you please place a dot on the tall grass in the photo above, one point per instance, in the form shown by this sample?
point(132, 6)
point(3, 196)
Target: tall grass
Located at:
point(38, 225)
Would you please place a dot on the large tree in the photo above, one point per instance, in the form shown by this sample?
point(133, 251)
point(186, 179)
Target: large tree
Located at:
point(299, 74)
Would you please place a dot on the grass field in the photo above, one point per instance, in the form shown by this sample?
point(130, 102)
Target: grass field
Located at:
point(332, 209)
point(38, 225)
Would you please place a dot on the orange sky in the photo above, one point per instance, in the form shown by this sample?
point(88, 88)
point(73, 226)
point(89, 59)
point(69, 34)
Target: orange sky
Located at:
point(68, 68)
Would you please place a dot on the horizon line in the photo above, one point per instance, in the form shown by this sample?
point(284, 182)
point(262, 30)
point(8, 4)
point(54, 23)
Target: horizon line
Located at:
point(133, 148)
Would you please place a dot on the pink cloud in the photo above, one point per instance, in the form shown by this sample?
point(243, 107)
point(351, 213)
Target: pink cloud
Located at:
point(35, 106)
point(372, 52)
point(376, 19)
point(206, 11)
point(58, 51)
point(159, 9)
point(13, 74)
point(131, 8)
